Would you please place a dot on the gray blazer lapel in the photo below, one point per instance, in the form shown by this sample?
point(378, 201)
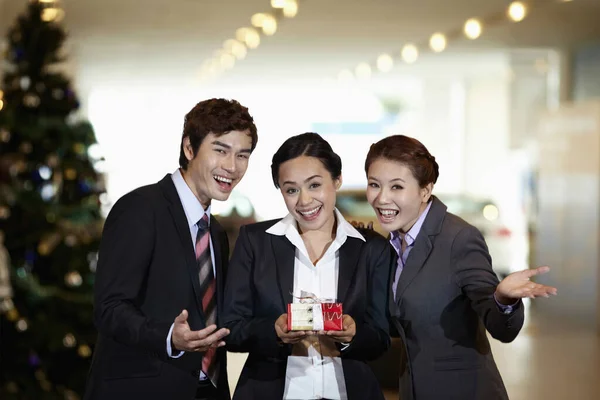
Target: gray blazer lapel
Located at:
point(415, 261)
point(422, 247)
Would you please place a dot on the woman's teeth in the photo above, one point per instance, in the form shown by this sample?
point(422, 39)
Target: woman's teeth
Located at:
point(310, 212)
point(388, 213)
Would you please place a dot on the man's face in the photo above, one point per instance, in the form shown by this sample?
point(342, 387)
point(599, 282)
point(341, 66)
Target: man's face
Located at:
point(219, 165)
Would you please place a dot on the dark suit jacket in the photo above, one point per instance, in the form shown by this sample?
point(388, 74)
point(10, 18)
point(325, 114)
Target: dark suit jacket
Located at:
point(147, 274)
point(444, 306)
point(259, 287)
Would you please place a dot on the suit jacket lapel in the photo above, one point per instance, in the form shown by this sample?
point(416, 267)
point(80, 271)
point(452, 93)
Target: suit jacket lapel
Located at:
point(349, 254)
point(183, 231)
point(422, 247)
point(285, 257)
point(415, 261)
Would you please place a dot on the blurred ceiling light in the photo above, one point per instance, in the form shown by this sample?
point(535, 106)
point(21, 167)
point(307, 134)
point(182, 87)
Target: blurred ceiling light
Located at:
point(363, 71)
point(258, 19)
point(209, 69)
point(49, 14)
point(345, 76)
point(227, 60)
point(253, 40)
point(385, 63)
point(269, 25)
point(490, 212)
point(438, 42)
point(236, 48)
point(290, 9)
point(278, 3)
point(249, 36)
point(410, 53)
point(473, 28)
point(1, 104)
point(517, 11)
point(213, 67)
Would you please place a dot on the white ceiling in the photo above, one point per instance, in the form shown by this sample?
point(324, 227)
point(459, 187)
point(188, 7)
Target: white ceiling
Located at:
point(326, 35)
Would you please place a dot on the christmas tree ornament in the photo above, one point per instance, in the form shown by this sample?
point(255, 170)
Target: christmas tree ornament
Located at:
point(6, 305)
point(25, 147)
point(52, 160)
point(79, 148)
point(58, 94)
point(22, 325)
point(25, 82)
point(6, 291)
point(34, 359)
point(84, 351)
point(69, 340)
point(31, 100)
point(70, 240)
point(12, 315)
point(70, 174)
point(45, 172)
point(73, 279)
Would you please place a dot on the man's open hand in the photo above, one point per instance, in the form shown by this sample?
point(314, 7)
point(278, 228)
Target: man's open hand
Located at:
point(184, 339)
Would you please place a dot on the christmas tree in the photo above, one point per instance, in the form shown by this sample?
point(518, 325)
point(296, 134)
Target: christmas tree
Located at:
point(50, 216)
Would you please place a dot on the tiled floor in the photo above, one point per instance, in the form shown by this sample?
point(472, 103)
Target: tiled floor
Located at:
point(550, 360)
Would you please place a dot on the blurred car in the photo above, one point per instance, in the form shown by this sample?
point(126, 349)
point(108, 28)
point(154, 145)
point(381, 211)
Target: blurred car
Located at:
point(479, 212)
point(232, 214)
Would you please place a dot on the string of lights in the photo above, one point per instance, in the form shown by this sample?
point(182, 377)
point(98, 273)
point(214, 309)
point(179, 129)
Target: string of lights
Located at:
point(248, 38)
point(472, 29)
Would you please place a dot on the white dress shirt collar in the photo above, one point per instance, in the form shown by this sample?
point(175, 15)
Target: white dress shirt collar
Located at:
point(289, 228)
point(191, 205)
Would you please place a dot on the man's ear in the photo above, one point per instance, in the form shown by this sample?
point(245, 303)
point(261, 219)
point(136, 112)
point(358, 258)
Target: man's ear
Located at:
point(187, 148)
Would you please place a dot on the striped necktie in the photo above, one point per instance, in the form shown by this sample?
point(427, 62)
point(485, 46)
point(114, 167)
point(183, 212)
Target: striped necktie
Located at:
point(208, 288)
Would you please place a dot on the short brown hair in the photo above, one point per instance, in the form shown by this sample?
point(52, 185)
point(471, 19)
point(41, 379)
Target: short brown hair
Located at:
point(217, 116)
point(408, 151)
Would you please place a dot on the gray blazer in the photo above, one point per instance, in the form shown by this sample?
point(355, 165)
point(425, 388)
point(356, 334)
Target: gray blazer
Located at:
point(444, 305)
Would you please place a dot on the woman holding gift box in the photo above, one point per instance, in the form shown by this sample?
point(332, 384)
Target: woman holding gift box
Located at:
point(312, 255)
point(445, 292)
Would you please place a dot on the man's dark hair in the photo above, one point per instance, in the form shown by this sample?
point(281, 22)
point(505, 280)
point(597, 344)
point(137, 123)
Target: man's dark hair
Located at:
point(217, 116)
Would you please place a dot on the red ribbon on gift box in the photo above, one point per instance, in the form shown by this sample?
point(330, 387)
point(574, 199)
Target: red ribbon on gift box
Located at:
point(332, 316)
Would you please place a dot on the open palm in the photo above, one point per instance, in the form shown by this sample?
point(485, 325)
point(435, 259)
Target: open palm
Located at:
point(519, 285)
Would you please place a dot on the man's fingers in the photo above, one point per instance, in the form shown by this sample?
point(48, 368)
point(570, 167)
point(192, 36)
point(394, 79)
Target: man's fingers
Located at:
point(218, 335)
point(538, 271)
point(182, 317)
point(201, 344)
point(196, 336)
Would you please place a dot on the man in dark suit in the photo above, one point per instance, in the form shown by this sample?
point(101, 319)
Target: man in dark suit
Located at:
point(162, 267)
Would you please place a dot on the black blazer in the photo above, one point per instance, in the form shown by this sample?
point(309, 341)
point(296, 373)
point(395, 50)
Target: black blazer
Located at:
point(147, 274)
point(259, 287)
point(444, 306)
